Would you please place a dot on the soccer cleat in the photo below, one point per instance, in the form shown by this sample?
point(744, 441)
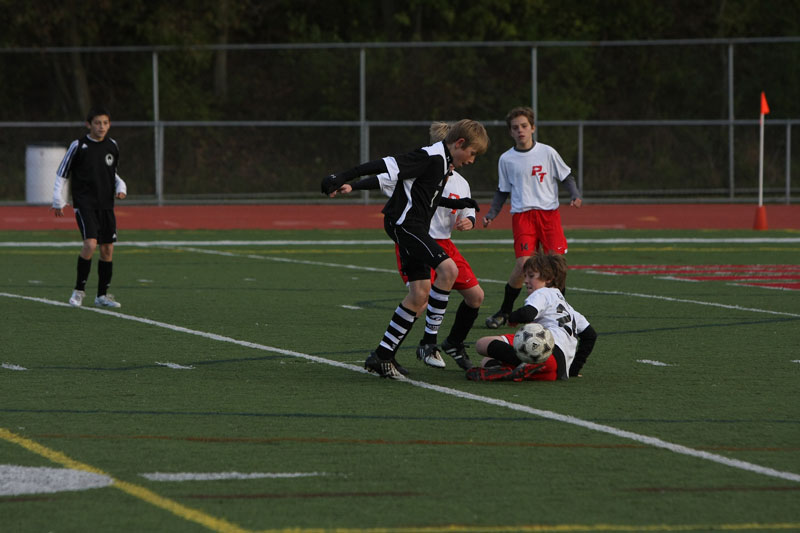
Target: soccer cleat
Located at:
point(399, 367)
point(497, 320)
point(106, 300)
point(76, 300)
point(458, 353)
point(384, 369)
point(429, 354)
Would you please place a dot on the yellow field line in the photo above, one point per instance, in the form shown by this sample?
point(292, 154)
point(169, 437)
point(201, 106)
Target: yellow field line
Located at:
point(182, 511)
point(223, 526)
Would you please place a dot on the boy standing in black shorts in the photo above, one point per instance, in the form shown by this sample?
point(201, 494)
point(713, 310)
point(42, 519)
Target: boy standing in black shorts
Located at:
point(421, 176)
point(91, 164)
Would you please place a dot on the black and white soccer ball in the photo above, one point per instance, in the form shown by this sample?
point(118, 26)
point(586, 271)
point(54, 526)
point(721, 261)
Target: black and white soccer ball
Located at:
point(533, 343)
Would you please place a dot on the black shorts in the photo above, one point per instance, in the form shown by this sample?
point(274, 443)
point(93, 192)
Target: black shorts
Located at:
point(419, 252)
point(99, 224)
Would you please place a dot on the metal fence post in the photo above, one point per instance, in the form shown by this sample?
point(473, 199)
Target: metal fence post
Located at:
point(158, 135)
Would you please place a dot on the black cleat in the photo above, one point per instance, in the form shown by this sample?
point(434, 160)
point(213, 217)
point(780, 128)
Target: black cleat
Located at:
point(384, 369)
point(458, 352)
point(497, 320)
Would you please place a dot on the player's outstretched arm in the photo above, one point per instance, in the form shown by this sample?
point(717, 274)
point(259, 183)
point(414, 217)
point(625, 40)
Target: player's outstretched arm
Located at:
point(499, 199)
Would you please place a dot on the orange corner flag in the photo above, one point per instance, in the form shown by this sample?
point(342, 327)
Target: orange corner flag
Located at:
point(764, 104)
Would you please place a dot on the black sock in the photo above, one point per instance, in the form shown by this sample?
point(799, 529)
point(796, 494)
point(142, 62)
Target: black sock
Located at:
point(502, 351)
point(104, 272)
point(508, 299)
point(465, 318)
point(84, 267)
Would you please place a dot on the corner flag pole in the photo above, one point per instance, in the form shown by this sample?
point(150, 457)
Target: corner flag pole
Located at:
point(761, 212)
point(764, 111)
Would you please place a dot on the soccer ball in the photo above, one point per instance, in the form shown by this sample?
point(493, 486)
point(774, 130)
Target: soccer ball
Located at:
point(533, 343)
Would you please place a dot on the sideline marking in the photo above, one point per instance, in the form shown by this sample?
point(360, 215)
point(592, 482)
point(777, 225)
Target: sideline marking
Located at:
point(175, 366)
point(651, 441)
point(137, 491)
point(9, 366)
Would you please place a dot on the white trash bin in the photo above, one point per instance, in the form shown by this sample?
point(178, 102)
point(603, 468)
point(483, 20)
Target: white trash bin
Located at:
point(41, 164)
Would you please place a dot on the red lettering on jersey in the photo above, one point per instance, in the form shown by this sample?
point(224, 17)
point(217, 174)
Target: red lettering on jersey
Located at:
point(536, 171)
point(454, 196)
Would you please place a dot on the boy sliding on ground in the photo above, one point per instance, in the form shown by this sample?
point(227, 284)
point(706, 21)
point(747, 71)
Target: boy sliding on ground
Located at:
point(574, 336)
point(421, 176)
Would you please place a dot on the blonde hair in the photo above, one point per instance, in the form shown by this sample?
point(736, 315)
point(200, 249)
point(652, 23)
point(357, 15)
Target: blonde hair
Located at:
point(473, 133)
point(438, 131)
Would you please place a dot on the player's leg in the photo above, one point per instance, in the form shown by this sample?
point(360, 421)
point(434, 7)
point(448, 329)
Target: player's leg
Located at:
point(107, 235)
point(467, 284)
point(526, 240)
point(87, 225)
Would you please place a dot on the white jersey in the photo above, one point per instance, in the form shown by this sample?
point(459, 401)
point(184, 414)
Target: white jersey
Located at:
point(560, 318)
point(444, 219)
point(532, 177)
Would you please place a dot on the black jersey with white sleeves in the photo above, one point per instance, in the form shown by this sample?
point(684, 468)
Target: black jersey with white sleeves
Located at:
point(421, 175)
point(92, 168)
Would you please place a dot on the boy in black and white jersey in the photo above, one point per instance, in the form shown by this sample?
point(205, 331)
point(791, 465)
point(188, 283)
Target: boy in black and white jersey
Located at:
point(421, 176)
point(91, 164)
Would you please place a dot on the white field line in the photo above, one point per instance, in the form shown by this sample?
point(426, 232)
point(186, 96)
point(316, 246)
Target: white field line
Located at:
point(383, 242)
point(485, 280)
point(644, 439)
point(218, 476)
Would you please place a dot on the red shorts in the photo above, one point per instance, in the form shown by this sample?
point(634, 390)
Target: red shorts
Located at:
point(534, 227)
point(550, 370)
point(466, 278)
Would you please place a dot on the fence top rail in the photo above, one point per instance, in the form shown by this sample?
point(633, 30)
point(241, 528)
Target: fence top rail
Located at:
point(399, 44)
point(394, 123)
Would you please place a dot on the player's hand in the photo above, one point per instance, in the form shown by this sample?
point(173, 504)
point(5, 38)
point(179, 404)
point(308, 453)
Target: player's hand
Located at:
point(57, 211)
point(329, 184)
point(486, 222)
point(344, 189)
point(464, 224)
point(577, 202)
point(121, 195)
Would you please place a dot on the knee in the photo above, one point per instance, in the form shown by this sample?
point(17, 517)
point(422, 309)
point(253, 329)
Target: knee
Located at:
point(447, 271)
point(474, 297)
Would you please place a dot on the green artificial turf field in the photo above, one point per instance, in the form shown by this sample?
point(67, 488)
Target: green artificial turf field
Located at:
point(228, 393)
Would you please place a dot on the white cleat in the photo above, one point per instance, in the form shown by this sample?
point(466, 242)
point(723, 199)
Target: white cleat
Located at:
point(429, 354)
point(76, 300)
point(106, 300)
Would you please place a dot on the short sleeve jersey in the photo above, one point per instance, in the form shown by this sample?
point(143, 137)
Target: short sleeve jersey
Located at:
point(421, 176)
point(560, 318)
point(532, 177)
point(92, 167)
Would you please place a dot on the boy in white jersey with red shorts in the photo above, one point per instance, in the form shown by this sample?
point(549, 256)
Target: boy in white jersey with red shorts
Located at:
point(573, 335)
point(460, 215)
point(530, 173)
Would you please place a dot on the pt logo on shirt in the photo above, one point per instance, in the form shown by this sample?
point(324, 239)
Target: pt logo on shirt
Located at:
point(109, 160)
point(536, 172)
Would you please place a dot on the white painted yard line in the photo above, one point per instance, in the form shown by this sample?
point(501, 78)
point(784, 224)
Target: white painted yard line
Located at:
point(219, 476)
point(383, 242)
point(175, 366)
point(484, 280)
point(550, 415)
point(651, 362)
point(10, 366)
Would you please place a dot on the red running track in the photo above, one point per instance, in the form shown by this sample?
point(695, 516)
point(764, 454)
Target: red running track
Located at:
point(336, 215)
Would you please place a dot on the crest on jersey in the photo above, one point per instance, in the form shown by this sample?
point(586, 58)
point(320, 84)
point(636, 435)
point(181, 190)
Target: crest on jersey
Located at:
point(109, 160)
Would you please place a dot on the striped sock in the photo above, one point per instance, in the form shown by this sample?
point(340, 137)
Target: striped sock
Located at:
point(434, 314)
point(399, 326)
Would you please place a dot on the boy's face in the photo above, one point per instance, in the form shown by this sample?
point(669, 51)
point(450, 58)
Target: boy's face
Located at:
point(521, 131)
point(461, 155)
point(533, 281)
point(98, 127)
